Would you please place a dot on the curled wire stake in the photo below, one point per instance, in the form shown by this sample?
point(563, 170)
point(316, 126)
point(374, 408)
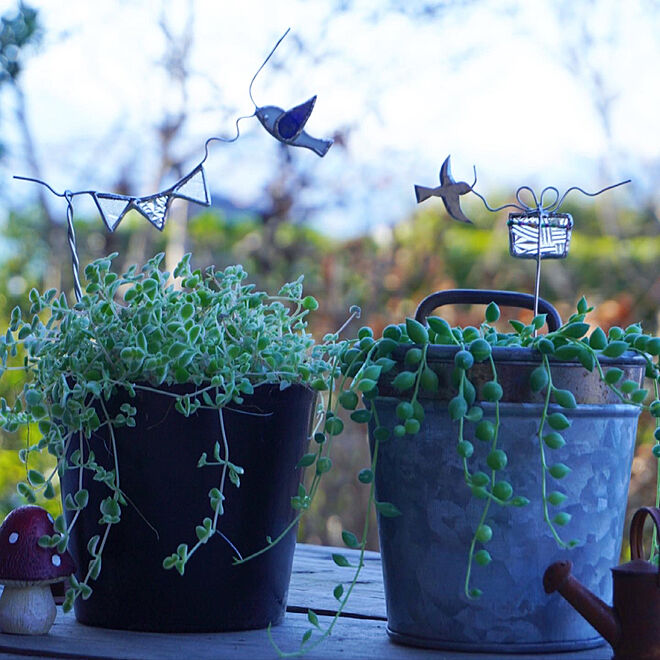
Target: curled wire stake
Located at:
point(223, 139)
point(263, 64)
point(71, 234)
point(538, 203)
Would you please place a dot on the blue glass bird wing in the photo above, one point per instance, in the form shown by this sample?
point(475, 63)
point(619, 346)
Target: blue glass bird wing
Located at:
point(290, 124)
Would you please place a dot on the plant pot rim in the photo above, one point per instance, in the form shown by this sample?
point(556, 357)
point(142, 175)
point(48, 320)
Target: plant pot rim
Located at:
point(516, 354)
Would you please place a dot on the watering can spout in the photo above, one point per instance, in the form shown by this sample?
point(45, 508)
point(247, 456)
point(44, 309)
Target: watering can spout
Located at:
point(601, 616)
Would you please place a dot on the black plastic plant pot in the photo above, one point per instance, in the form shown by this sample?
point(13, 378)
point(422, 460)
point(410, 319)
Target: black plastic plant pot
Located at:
point(168, 497)
point(425, 550)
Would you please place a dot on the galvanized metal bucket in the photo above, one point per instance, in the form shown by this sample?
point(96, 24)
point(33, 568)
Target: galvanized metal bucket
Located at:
point(425, 550)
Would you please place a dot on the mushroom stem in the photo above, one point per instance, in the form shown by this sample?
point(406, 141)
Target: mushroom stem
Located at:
point(27, 610)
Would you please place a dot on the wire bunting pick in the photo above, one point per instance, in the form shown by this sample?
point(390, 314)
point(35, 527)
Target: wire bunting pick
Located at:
point(285, 126)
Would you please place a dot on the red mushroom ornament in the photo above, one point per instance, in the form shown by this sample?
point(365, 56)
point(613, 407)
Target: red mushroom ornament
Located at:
point(27, 570)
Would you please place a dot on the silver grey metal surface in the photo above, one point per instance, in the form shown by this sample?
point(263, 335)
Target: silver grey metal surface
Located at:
point(71, 237)
point(425, 549)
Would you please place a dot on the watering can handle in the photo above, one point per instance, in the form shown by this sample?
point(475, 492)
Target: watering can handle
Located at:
point(637, 529)
point(485, 297)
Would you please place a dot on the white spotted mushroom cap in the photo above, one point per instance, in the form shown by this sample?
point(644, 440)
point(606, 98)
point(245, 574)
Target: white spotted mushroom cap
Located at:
point(22, 560)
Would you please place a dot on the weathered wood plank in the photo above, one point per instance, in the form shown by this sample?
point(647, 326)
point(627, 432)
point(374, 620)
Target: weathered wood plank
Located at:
point(353, 638)
point(361, 635)
point(315, 575)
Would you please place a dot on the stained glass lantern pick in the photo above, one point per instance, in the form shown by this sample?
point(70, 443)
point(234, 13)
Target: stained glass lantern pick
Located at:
point(533, 234)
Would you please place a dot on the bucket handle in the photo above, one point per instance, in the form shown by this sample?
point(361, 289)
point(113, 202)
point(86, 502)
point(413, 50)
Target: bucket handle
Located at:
point(485, 297)
point(637, 530)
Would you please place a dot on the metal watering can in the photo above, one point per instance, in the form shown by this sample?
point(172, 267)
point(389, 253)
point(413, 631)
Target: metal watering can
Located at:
point(632, 625)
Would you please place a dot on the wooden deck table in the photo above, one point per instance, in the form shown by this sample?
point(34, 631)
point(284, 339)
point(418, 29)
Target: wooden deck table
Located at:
point(360, 634)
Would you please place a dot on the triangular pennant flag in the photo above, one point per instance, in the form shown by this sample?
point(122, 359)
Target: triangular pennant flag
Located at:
point(193, 188)
point(154, 208)
point(112, 208)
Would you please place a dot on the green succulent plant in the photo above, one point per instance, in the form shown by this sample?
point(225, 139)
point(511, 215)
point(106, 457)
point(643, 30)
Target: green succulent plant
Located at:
point(139, 331)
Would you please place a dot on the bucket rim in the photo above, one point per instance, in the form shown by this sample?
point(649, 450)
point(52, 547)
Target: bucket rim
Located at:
point(518, 354)
point(533, 409)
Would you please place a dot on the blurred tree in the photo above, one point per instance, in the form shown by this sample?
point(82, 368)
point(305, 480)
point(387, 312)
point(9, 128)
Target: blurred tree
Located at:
point(20, 32)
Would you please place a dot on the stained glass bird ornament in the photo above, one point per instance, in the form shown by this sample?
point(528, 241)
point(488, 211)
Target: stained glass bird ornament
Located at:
point(287, 126)
point(449, 191)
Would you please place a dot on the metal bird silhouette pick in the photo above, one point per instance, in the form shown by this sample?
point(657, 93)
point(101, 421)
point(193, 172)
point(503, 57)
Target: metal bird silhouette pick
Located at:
point(449, 191)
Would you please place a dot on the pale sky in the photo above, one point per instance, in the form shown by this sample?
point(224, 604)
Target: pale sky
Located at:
point(487, 84)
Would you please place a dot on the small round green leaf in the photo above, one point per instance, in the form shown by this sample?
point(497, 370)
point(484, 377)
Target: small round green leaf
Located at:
point(306, 460)
point(465, 449)
point(404, 381)
point(559, 470)
point(480, 479)
point(413, 357)
point(554, 440)
point(613, 375)
point(412, 426)
point(350, 539)
point(464, 359)
point(361, 416)
point(558, 421)
point(323, 465)
point(482, 557)
point(538, 379)
point(417, 332)
point(485, 431)
point(387, 509)
point(598, 339)
point(492, 391)
point(556, 498)
point(503, 490)
point(484, 533)
point(365, 476)
point(497, 459)
point(562, 518)
point(564, 398)
point(348, 400)
point(492, 313)
point(457, 407)
point(404, 410)
point(615, 349)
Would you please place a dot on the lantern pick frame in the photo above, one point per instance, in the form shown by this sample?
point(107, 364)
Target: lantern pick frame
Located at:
point(539, 231)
